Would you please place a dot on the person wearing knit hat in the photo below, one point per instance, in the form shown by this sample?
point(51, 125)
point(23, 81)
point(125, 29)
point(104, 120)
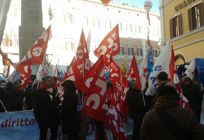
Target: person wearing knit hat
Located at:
point(162, 79)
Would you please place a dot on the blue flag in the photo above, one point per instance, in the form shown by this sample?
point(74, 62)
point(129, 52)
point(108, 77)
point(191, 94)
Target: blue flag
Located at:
point(150, 61)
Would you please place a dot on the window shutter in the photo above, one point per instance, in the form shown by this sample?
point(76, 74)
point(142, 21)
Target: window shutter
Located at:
point(201, 10)
point(180, 24)
point(190, 20)
point(171, 28)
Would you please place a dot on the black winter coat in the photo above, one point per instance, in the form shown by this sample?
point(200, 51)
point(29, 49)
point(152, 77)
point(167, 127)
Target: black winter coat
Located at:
point(70, 115)
point(136, 107)
point(46, 108)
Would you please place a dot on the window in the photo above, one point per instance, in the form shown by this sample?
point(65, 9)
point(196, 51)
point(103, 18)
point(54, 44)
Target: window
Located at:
point(130, 51)
point(96, 23)
point(130, 27)
point(68, 18)
point(137, 29)
point(108, 24)
point(122, 50)
point(69, 45)
point(121, 26)
point(86, 21)
point(196, 16)
point(155, 53)
point(139, 52)
point(176, 26)
point(127, 27)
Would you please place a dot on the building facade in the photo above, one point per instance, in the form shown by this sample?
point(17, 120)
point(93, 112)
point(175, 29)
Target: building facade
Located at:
point(69, 17)
point(183, 26)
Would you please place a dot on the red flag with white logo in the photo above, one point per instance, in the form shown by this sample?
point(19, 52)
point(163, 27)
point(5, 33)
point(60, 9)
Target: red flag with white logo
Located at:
point(109, 46)
point(114, 116)
point(36, 54)
point(94, 85)
point(121, 84)
point(134, 73)
point(80, 64)
point(25, 74)
point(117, 79)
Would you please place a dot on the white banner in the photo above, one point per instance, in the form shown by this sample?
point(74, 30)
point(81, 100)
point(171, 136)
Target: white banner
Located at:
point(161, 64)
point(18, 126)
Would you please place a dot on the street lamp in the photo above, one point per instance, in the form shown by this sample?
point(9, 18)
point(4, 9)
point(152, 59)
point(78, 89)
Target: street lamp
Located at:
point(147, 7)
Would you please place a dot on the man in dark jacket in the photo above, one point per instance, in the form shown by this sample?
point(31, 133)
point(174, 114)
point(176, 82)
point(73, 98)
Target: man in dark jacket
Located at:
point(70, 115)
point(154, 127)
point(13, 97)
point(45, 104)
point(162, 79)
point(192, 91)
point(136, 108)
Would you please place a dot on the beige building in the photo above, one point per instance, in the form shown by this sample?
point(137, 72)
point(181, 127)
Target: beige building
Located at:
point(183, 27)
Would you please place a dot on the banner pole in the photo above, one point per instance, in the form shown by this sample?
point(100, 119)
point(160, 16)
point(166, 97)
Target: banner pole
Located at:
point(3, 106)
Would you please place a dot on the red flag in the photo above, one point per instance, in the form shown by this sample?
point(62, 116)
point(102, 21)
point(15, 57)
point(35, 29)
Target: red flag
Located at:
point(36, 54)
point(121, 84)
point(114, 116)
point(117, 79)
point(80, 63)
point(109, 46)
point(25, 75)
point(175, 79)
point(134, 73)
point(95, 85)
point(115, 123)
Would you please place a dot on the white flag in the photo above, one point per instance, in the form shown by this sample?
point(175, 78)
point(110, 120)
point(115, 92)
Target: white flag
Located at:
point(4, 8)
point(161, 64)
point(144, 72)
point(191, 69)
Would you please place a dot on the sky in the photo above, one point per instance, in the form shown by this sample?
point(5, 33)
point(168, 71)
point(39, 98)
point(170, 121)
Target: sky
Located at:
point(140, 4)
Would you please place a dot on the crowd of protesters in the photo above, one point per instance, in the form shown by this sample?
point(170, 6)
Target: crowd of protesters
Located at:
point(158, 117)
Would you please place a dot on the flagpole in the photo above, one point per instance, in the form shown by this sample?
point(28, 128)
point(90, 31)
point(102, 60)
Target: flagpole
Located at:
point(148, 6)
point(82, 95)
point(121, 76)
point(3, 105)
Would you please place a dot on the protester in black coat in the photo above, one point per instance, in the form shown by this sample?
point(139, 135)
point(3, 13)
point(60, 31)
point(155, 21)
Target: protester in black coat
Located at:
point(2, 109)
point(45, 104)
point(13, 97)
point(162, 79)
point(136, 108)
point(28, 96)
point(70, 115)
point(192, 91)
